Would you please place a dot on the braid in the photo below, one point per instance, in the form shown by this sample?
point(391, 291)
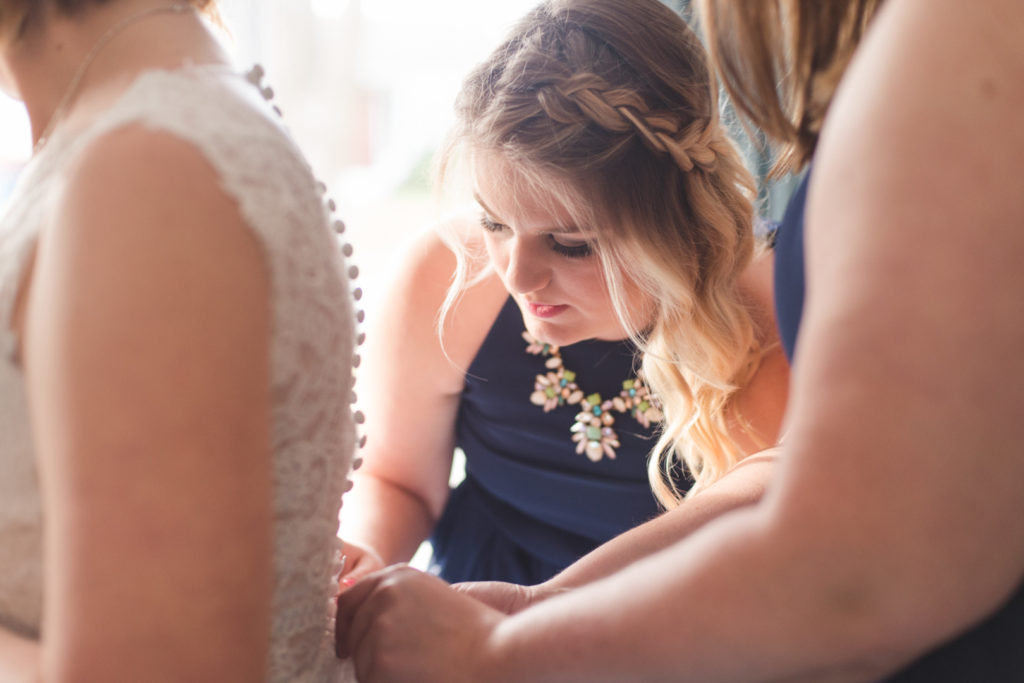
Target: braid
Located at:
point(694, 145)
point(622, 110)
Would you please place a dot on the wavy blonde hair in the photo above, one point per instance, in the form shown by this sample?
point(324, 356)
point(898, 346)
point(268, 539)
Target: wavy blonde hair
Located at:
point(781, 61)
point(16, 15)
point(609, 104)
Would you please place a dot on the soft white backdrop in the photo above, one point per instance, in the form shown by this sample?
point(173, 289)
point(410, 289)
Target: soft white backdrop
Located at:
point(366, 88)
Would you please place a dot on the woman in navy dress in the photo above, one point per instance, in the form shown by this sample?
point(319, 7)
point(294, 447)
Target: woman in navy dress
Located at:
point(890, 547)
point(610, 301)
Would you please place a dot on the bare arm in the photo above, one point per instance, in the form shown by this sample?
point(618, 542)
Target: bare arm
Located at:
point(410, 389)
point(904, 411)
point(910, 364)
point(744, 485)
point(145, 343)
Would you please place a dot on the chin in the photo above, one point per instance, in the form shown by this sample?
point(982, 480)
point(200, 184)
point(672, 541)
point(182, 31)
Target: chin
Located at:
point(553, 334)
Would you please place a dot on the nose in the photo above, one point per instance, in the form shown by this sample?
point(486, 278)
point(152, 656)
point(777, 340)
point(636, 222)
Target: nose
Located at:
point(526, 268)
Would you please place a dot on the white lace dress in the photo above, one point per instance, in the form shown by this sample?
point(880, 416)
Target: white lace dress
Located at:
point(228, 121)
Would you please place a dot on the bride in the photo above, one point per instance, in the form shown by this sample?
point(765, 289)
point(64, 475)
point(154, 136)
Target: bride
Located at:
point(176, 334)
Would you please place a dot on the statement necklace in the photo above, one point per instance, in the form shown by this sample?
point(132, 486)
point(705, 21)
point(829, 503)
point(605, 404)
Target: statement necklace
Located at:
point(76, 79)
point(592, 431)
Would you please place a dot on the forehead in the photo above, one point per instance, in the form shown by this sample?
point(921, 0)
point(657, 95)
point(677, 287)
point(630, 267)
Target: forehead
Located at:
point(520, 196)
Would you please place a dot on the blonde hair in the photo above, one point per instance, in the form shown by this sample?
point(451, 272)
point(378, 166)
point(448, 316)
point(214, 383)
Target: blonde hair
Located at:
point(781, 61)
point(16, 15)
point(610, 104)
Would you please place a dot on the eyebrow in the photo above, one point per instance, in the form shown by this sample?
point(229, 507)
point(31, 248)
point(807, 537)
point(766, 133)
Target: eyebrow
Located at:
point(560, 230)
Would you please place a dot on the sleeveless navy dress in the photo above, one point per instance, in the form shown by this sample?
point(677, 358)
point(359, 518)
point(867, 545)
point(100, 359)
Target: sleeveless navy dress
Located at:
point(993, 651)
point(530, 505)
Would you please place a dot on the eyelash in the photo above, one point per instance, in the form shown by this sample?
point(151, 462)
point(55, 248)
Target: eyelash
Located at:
point(575, 251)
point(489, 225)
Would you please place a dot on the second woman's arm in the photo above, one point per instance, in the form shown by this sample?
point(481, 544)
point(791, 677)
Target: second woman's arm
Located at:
point(409, 387)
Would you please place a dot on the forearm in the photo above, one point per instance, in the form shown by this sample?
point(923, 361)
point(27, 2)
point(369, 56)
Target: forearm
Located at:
point(788, 590)
point(19, 658)
point(618, 553)
point(699, 607)
point(743, 486)
point(810, 585)
point(386, 518)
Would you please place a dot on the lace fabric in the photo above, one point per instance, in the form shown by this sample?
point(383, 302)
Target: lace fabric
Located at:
point(313, 337)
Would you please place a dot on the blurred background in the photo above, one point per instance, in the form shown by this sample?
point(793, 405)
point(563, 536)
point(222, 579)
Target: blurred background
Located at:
point(366, 88)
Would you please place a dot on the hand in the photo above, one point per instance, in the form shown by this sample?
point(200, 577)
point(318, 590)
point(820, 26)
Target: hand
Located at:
point(401, 624)
point(506, 597)
point(359, 562)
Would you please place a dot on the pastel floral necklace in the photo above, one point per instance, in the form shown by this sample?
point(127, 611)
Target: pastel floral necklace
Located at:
point(592, 430)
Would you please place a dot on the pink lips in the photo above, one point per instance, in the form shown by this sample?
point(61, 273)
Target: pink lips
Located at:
point(545, 310)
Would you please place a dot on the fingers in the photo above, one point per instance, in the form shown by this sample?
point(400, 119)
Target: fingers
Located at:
point(361, 567)
point(400, 624)
point(359, 561)
point(504, 597)
point(348, 604)
point(496, 594)
point(359, 605)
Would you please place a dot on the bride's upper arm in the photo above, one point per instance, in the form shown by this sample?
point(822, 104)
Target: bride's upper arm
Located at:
point(146, 346)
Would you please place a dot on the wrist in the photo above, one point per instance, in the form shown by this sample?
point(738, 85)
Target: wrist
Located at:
point(520, 650)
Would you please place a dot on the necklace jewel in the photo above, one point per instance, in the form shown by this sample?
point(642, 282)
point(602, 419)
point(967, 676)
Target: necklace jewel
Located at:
point(592, 431)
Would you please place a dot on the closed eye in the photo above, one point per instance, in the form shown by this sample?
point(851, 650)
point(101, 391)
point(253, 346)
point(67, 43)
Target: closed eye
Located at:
point(570, 250)
point(491, 226)
point(575, 250)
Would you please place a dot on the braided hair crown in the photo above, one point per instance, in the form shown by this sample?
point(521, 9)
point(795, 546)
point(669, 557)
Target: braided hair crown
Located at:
point(575, 86)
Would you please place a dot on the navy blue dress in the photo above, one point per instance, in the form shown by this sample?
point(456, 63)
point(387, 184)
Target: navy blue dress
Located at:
point(993, 651)
point(530, 505)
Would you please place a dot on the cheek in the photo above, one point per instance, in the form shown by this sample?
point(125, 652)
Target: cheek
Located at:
point(641, 306)
point(585, 284)
point(593, 284)
point(638, 307)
